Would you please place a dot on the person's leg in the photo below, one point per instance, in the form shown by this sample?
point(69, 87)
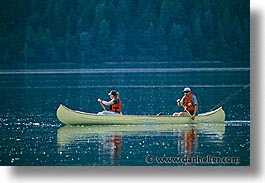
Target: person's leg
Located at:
point(108, 113)
point(183, 114)
point(176, 114)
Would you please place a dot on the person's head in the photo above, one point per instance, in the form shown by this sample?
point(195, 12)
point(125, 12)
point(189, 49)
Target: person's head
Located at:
point(113, 94)
point(187, 91)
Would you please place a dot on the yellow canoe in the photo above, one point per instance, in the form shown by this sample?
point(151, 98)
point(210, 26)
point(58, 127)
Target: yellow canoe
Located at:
point(72, 117)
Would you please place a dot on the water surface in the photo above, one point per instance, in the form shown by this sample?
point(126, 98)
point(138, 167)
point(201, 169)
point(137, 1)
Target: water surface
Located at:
point(32, 135)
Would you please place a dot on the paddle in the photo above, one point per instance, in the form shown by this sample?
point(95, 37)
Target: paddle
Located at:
point(100, 101)
point(185, 109)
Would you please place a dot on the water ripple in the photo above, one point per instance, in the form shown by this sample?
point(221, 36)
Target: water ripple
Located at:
point(122, 70)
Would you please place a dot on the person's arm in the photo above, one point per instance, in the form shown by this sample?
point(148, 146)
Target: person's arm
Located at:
point(180, 101)
point(195, 111)
point(195, 103)
point(107, 103)
point(113, 101)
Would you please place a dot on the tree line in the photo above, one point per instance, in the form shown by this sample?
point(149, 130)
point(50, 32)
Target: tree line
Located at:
point(96, 31)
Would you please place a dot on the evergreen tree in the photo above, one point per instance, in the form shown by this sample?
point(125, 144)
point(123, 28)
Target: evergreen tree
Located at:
point(118, 45)
point(167, 14)
point(102, 41)
point(185, 53)
point(175, 39)
point(87, 31)
point(199, 42)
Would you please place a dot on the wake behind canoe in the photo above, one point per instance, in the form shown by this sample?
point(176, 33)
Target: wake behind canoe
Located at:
point(72, 117)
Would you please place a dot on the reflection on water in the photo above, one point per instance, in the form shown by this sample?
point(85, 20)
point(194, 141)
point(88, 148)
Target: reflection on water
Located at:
point(189, 140)
point(128, 145)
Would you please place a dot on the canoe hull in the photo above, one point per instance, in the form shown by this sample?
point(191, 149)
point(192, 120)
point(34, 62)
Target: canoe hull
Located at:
point(71, 117)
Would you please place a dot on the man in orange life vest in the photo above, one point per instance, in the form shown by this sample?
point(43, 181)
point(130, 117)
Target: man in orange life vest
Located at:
point(115, 102)
point(190, 104)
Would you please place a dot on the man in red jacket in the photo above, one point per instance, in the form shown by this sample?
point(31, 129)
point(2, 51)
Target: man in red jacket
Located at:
point(190, 104)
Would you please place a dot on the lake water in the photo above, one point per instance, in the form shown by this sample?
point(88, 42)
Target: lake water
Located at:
point(31, 134)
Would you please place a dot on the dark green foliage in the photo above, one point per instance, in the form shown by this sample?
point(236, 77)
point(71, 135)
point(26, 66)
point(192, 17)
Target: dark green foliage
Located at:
point(97, 31)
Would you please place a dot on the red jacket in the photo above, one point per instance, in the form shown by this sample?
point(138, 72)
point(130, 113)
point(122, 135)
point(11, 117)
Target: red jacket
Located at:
point(188, 103)
point(116, 107)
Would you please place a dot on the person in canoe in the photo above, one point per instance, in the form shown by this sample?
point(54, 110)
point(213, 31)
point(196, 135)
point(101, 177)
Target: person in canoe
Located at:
point(114, 104)
point(190, 104)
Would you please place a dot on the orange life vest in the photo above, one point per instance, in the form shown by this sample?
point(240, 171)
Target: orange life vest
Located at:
point(116, 107)
point(188, 103)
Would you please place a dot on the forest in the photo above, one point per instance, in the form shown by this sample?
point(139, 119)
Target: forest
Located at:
point(98, 31)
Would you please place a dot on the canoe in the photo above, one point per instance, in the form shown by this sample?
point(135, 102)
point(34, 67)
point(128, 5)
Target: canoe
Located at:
point(72, 117)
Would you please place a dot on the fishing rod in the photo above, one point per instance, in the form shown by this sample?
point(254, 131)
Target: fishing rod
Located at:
point(229, 97)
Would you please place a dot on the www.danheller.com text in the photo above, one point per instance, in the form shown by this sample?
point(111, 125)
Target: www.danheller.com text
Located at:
point(196, 159)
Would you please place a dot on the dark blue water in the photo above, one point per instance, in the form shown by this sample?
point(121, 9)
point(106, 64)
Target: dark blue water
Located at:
point(32, 135)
